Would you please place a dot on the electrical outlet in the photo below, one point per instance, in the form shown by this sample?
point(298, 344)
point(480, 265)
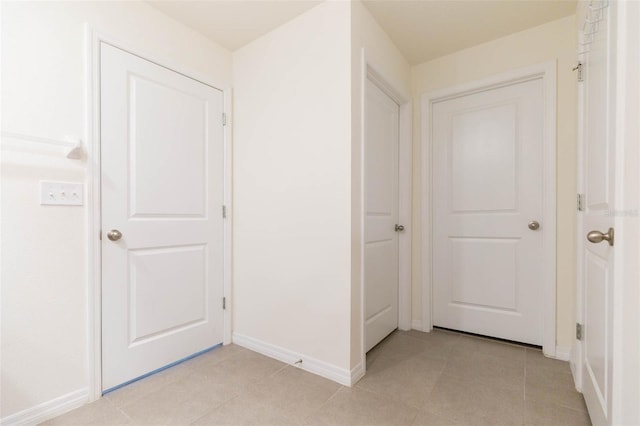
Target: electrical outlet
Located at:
point(61, 194)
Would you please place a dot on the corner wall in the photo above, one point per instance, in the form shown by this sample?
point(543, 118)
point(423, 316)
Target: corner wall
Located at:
point(555, 40)
point(44, 248)
point(292, 194)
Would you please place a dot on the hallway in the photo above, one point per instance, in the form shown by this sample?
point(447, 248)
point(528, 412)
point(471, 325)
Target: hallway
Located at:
point(413, 378)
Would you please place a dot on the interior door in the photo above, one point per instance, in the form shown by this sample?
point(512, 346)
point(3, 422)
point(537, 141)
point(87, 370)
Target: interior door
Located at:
point(487, 210)
point(599, 201)
point(380, 215)
point(162, 227)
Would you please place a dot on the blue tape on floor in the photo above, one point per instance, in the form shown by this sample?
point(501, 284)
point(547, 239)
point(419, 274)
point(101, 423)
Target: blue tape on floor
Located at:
point(104, 392)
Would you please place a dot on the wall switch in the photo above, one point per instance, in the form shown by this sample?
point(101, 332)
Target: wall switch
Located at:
point(61, 194)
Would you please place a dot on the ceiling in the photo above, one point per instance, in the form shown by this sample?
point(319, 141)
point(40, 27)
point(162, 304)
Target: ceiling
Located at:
point(422, 29)
point(234, 23)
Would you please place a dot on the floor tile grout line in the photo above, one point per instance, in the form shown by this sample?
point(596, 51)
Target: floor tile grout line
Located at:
point(383, 396)
point(395, 401)
point(457, 335)
point(572, 408)
point(284, 367)
point(195, 360)
point(113, 405)
point(324, 404)
point(138, 396)
point(215, 408)
point(192, 372)
point(559, 405)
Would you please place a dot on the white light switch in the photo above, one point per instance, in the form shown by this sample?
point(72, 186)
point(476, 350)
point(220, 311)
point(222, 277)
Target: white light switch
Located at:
point(61, 194)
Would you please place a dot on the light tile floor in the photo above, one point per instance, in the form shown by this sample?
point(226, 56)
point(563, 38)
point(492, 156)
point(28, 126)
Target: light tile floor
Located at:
point(413, 378)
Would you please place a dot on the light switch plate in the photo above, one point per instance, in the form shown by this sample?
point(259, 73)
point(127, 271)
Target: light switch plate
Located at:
point(61, 194)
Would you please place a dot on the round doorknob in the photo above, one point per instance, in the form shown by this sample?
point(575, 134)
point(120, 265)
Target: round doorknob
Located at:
point(534, 225)
point(114, 235)
point(598, 237)
point(399, 228)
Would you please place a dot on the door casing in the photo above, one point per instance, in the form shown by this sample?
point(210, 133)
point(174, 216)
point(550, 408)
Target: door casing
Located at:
point(547, 72)
point(93, 39)
point(371, 72)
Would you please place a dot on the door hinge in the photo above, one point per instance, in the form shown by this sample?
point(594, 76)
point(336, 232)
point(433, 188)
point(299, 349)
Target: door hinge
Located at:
point(578, 331)
point(224, 303)
point(100, 235)
point(580, 202)
point(224, 212)
point(579, 68)
point(224, 118)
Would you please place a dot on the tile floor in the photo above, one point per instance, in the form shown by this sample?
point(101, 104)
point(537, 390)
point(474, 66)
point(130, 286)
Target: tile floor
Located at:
point(413, 378)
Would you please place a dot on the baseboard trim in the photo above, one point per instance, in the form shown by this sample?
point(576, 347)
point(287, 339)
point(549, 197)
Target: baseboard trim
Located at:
point(310, 364)
point(574, 373)
point(563, 353)
point(417, 325)
point(357, 373)
point(47, 410)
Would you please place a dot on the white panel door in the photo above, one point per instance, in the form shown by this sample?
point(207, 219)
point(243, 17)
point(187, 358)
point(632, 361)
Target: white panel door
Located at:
point(599, 191)
point(380, 215)
point(487, 188)
point(162, 189)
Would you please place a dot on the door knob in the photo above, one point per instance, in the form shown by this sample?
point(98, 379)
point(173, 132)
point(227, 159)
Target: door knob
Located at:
point(534, 225)
point(598, 237)
point(114, 235)
point(399, 228)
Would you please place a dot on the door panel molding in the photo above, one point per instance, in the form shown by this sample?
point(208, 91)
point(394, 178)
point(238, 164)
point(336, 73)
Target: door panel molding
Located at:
point(547, 72)
point(93, 39)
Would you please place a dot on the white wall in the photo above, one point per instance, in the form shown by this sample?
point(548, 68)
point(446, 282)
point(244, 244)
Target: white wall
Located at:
point(386, 59)
point(297, 189)
point(292, 194)
point(44, 250)
point(556, 40)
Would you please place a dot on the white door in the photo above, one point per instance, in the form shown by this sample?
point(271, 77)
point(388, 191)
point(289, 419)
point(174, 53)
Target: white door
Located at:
point(487, 191)
point(599, 191)
point(380, 215)
point(162, 189)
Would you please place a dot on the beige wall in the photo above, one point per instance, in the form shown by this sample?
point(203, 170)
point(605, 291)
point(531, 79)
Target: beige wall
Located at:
point(44, 248)
point(387, 60)
point(292, 195)
point(553, 41)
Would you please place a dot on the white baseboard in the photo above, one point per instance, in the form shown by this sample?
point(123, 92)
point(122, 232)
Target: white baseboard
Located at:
point(574, 374)
point(47, 410)
point(576, 365)
point(357, 373)
point(416, 325)
point(310, 364)
point(563, 353)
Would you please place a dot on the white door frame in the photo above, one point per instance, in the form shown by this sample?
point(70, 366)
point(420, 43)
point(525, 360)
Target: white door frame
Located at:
point(547, 72)
point(371, 72)
point(93, 39)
